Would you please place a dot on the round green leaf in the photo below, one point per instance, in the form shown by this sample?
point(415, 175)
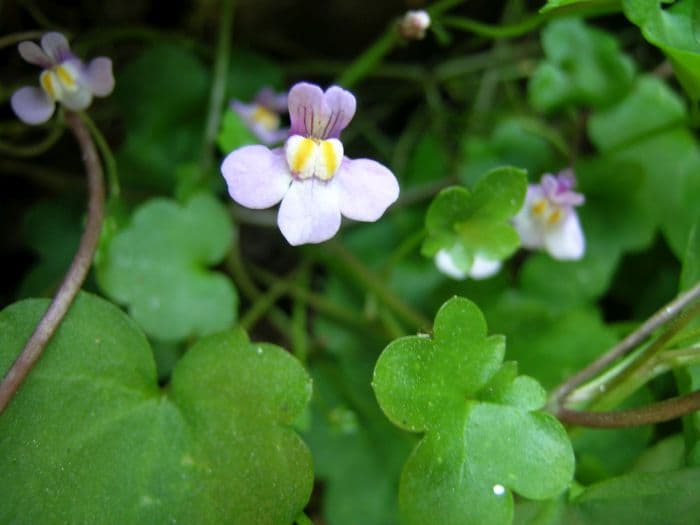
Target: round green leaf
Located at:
point(158, 266)
point(90, 438)
point(481, 437)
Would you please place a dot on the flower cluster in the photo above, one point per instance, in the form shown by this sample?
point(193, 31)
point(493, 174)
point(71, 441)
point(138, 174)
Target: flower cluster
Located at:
point(548, 219)
point(315, 182)
point(64, 78)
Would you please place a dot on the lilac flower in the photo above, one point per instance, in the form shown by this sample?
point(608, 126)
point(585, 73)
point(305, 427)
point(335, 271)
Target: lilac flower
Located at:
point(548, 219)
point(262, 116)
point(482, 267)
point(414, 24)
point(310, 174)
point(64, 78)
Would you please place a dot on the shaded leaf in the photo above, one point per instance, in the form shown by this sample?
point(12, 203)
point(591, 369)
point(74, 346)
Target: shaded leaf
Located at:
point(217, 447)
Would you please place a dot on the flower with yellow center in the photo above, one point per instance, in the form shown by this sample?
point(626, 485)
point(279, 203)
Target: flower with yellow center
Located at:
point(548, 219)
point(64, 79)
point(315, 182)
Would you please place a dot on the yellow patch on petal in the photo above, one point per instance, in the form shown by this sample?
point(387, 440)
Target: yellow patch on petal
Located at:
point(330, 158)
point(554, 217)
point(301, 154)
point(308, 157)
point(66, 77)
point(49, 82)
point(539, 207)
point(266, 118)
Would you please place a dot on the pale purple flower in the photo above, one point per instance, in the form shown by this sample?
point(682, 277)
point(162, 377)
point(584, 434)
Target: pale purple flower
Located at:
point(64, 78)
point(482, 267)
point(414, 24)
point(310, 175)
point(548, 219)
point(262, 116)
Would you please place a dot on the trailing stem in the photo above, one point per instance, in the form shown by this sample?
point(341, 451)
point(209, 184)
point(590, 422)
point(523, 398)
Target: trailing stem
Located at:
point(77, 271)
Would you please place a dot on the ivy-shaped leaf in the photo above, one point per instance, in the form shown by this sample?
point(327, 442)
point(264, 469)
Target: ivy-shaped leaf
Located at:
point(673, 30)
point(468, 224)
point(661, 147)
point(90, 437)
point(158, 266)
point(483, 434)
point(584, 66)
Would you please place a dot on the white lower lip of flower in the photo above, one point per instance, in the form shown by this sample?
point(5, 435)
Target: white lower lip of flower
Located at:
point(59, 80)
point(308, 157)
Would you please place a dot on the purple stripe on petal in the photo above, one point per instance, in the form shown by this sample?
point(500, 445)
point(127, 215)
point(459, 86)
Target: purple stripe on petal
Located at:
point(56, 46)
point(99, 77)
point(305, 103)
point(256, 176)
point(366, 189)
point(309, 212)
point(314, 113)
point(32, 105)
point(33, 54)
point(342, 105)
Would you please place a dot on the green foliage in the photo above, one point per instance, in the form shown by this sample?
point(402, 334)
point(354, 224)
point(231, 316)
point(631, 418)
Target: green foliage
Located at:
point(52, 230)
point(91, 438)
point(584, 66)
point(468, 224)
point(483, 433)
point(513, 142)
point(660, 146)
point(554, 4)
point(674, 31)
point(161, 97)
point(233, 133)
point(158, 266)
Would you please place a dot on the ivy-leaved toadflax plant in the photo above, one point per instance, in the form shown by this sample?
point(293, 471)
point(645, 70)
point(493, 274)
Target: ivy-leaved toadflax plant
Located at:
point(64, 78)
point(315, 182)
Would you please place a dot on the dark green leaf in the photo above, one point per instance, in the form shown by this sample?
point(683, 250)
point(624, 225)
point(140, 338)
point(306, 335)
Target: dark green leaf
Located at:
point(90, 438)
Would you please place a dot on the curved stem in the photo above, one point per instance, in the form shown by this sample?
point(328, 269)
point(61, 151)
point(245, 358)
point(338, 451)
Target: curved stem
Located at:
point(77, 271)
point(107, 157)
point(32, 150)
point(661, 317)
point(648, 415)
point(218, 86)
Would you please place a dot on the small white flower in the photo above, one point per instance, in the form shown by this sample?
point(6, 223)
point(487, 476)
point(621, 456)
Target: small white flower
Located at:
point(548, 219)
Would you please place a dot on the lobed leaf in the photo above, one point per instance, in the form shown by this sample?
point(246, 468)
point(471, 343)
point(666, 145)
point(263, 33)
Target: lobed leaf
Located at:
point(158, 266)
point(482, 438)
point(90, 438)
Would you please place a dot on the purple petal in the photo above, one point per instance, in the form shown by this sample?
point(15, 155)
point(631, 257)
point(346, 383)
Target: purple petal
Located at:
point(33, 54)
point(256, 176)
point(566, 241)
point(309, 212)
point(315, 114)
point(275, 102)
point(366, 189)
point(56, 46)
point(32, 105)
point(342, 105)
point(99, 77)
